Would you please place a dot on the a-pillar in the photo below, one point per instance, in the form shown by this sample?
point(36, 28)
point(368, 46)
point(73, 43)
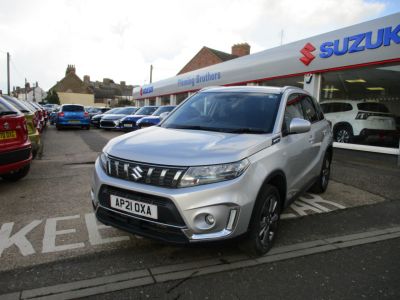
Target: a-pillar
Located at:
point(172, 99)
point(312, 84)
point(158, 101)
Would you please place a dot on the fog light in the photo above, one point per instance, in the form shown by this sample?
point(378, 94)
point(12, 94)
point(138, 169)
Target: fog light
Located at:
point(210, 219)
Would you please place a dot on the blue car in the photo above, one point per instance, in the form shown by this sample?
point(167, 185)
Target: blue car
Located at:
point(155, 118)
point(128, 123)
point(72, 115)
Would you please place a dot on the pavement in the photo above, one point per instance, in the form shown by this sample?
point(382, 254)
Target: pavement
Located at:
point(49, 236)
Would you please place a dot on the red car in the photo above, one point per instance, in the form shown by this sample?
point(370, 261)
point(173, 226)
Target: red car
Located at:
point(15, 147)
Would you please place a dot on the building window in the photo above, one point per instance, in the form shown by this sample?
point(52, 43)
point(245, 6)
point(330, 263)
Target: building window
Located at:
point(165, 100)
point(180, 98)
point(363, 104)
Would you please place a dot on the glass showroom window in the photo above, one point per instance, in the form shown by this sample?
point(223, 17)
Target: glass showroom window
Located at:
point(292, 81)
point(181, 97)
point(363, 104)
point(152, 101)
point(165, 100)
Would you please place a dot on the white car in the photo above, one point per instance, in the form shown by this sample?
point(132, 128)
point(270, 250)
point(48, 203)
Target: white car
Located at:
point(358, 119)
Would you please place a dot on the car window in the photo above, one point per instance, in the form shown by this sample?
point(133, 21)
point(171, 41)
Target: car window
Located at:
point(309, 110)
point(73, 108)
point(146, 110)
point(236, 112)
point(5, 107)
point(18, 104)
point(374, 107)
point(293, 110)
point(318, 108)
point(163, 109)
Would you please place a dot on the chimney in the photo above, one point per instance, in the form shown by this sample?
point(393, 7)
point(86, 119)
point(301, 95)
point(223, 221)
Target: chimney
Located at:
point(70, 69)
point(86, 79)
point(241, 49)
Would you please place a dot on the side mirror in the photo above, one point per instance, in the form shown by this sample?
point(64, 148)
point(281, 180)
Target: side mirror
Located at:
point(164, 115)
point(298, 125)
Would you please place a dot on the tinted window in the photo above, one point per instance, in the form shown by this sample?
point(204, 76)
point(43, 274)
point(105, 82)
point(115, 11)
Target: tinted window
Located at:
point(18, 104)
point(72, 108)
point(6, 108)
point(127, 111)
point(375, 107)
point(309, 110)
point(114, 110)
point(242, 112)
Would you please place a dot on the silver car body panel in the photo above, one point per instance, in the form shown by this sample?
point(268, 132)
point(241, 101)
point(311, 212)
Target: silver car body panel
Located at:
point(298, 157)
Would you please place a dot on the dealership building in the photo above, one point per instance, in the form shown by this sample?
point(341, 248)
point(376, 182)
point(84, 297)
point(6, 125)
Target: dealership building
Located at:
point(354, 72)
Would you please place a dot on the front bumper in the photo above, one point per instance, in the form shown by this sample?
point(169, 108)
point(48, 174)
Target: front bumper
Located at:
point(110, 124)
point(229, 202)
point(128, 125)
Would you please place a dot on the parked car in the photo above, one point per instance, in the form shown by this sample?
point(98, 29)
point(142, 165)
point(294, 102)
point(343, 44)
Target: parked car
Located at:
point(49, 107)
point(358, 119)
point(129, 122)
point(53, 116)
point(112, 120)
point(39, 116)
point(156, 117)
point(43, 111)
point(95, 120)
point(33, 133)
point(15, 146)
point(72, 115)
point(223, 164)
point(97, 110)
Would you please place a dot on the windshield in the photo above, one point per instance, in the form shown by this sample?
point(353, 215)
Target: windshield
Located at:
point(227, 112)
point(18, 104)
point(6, 108)
point(114, 111)
point(127, 110)
point(146, 110)
point(163, 109)
point(73, 108)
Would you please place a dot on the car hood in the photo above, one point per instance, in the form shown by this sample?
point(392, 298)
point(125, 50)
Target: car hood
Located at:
point(182, 147)
point(98, 116)
point(112, 117)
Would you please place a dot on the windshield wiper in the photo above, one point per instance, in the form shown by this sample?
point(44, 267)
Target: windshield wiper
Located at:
point(10, 112)
point(246, 130)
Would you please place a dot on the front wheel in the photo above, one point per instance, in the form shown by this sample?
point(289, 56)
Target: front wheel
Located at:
point(264, 223)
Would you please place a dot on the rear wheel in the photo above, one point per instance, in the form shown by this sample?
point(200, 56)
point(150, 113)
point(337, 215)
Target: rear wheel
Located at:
point(343, 134)
point(321, 184)
point(17, 174)
point(264, 223)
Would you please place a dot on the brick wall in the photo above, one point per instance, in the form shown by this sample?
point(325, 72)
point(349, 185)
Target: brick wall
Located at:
point(203, 59)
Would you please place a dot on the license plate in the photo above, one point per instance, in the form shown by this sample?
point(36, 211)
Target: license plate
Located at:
point(127, 125)
point(74, 121)
point(134, 207)
point(5, 135)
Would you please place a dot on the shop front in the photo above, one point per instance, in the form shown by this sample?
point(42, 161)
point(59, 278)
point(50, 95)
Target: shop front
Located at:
point(353, 72)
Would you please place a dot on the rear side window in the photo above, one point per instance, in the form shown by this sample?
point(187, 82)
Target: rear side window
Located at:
point(375, 107)
point(6, 107)
point(73, 108)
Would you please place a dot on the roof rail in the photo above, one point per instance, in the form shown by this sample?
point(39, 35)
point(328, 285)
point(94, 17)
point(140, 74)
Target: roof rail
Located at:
point(288, 87)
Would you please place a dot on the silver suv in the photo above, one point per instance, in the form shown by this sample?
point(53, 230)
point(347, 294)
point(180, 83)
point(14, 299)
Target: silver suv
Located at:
point(223, 164)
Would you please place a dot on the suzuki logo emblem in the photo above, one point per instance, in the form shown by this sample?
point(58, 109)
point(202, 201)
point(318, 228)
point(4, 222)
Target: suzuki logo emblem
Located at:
point(308, 56)
point(137, 173)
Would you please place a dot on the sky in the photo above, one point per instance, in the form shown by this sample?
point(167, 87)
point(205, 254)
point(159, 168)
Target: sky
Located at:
point(120, 39)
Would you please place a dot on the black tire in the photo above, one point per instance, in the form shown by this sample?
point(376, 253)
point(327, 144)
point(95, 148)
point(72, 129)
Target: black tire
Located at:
point(322, 182)
point(18, 174)
point(34, 153)
point(343, 134)
point(264, 222)
point(58, 127)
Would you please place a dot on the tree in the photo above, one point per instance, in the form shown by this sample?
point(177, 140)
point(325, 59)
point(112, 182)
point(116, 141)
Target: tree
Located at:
point(52, 97)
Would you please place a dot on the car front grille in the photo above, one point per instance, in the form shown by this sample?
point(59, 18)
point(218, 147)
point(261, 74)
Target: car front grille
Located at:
point(165, 176)
point(107, 124)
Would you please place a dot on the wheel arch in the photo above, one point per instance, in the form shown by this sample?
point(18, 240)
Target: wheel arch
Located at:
point(278, 179)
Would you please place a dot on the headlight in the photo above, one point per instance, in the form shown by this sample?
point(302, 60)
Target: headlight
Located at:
point(213, 173)
point(104, 161)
